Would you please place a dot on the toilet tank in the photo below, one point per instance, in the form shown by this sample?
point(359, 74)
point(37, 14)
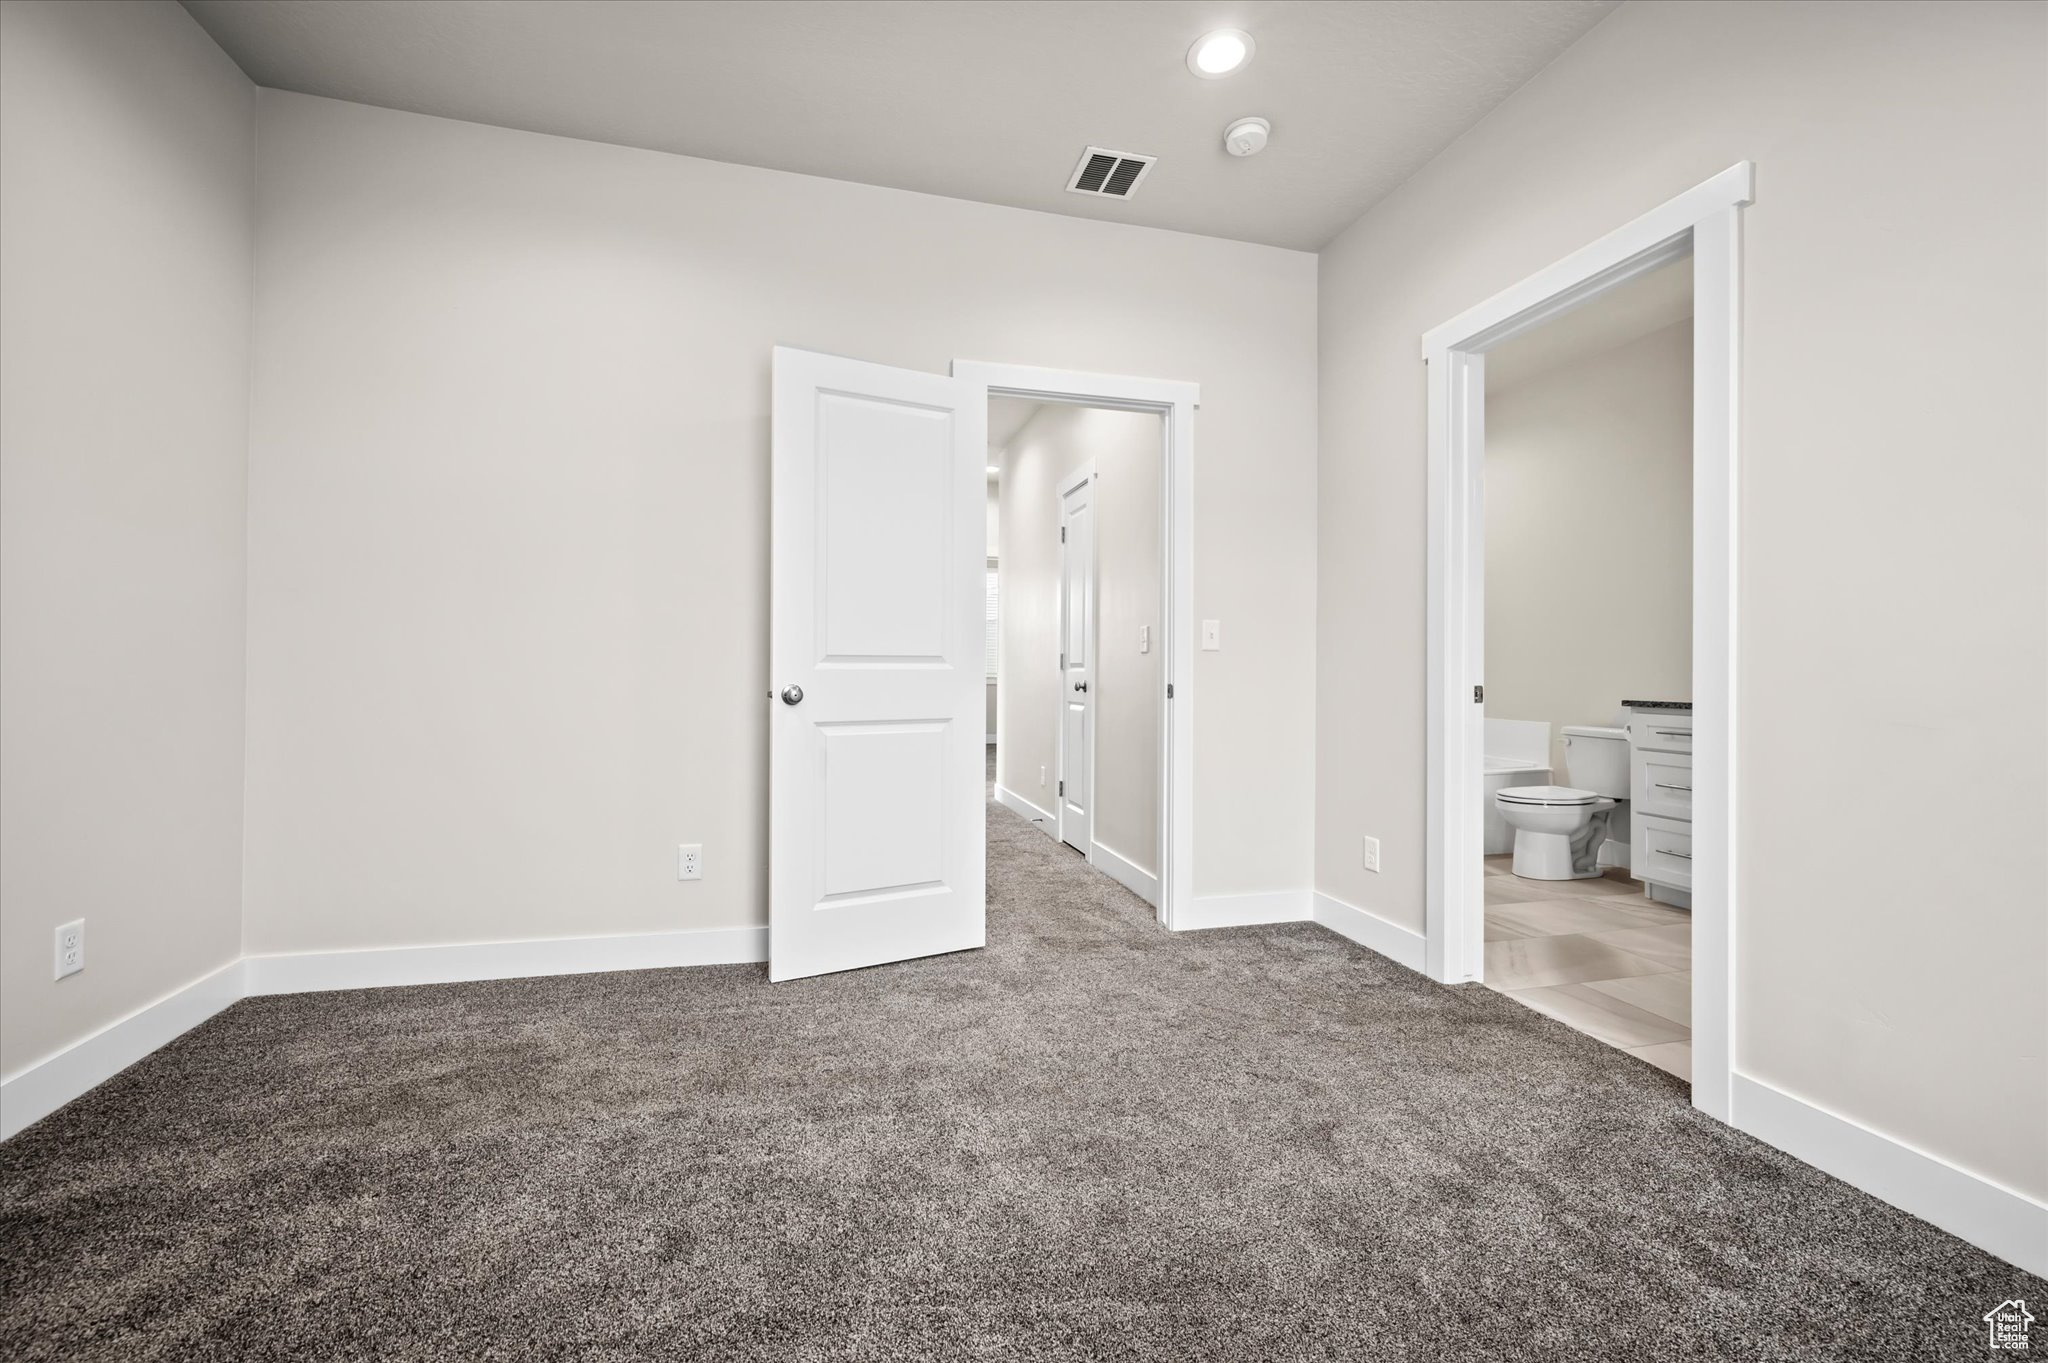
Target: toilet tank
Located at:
point(1596, 759)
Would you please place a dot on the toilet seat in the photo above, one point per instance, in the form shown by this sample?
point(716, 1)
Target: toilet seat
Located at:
point(1556, 796)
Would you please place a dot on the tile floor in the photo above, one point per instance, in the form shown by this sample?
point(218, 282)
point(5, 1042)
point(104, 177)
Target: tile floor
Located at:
point(1596, 955)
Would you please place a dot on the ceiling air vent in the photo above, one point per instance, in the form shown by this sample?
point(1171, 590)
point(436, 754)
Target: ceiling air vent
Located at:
point(1109, 174)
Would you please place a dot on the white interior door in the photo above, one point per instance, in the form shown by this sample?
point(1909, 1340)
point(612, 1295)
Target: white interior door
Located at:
point(1077, 659)
point(875, 744)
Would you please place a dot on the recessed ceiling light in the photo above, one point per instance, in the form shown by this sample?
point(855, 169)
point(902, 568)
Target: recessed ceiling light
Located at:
point(1220, 53)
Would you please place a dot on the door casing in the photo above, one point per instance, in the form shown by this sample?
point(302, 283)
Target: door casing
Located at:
point(1704, 221)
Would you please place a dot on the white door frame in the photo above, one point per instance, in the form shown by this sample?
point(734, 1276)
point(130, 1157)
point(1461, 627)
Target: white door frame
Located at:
point(1705, 222)
point(1175, 401)
point(1080, 477)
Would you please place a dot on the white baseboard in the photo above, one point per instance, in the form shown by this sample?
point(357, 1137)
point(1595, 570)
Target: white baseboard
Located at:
point(39, 1089)
point(2003, 1222)
point(383, 967)
point(1143, 884)
point(1403, 946)
point(34, 1092)
point(1243, 910)
point(1011, 800)
point(1996, 1219)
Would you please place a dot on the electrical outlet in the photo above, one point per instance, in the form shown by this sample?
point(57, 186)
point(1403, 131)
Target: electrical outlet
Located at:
point(70, 948)
point(1041, 778)
point(1144, 638)
point(690, 861)
point(1212, 635)
point(1371, 855)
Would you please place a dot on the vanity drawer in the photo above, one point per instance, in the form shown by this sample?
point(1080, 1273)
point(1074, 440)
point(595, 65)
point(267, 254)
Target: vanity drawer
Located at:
point(1663, 852)
point(1665, 780)
point(1661, 732)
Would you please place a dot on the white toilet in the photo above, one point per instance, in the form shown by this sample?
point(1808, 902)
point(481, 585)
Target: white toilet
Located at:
point(1559, 829)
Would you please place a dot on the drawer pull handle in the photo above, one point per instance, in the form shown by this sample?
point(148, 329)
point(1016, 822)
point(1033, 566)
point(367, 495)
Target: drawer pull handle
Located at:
point(1672, 733)
point(1661, 786)
point(1686, 856)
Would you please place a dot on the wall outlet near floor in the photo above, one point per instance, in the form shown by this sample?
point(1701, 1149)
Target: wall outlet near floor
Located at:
point(690, 861)
point(70, 948)
point(1041, 777)
point(1371, 854)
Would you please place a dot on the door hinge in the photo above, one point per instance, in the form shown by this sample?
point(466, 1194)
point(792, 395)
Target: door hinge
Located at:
point(1063, 788)
point(1479, 695)
point(1169, 690)
point(1063, 534)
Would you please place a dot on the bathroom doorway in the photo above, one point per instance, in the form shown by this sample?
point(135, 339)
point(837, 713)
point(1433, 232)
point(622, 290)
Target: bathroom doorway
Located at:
point(1587, 547)
point(1697, 232)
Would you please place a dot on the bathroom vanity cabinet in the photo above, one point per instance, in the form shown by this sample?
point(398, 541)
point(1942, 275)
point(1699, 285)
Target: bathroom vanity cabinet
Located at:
point(1660, 798)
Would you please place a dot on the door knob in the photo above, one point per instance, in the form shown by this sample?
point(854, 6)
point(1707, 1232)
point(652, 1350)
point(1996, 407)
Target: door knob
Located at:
point(792, 694)
point(1080, 686)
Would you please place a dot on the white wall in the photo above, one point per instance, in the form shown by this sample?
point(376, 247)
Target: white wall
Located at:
point(1129, 687)
point(1589, 536)
point(1034, 465)
point(509, 507)
point(1894, 598)
point(1130, 593)
point(126, 156)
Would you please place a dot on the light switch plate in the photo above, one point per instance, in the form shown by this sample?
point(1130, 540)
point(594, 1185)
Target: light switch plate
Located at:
point(1144, 638)
point(1212, 635)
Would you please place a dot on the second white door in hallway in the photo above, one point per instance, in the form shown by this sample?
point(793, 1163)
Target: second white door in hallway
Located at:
point(1077, 658)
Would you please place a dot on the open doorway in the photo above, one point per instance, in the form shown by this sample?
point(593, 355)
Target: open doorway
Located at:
point(1077, 629)
point(1586, 751)
point(1699, 229)
point(878, 657)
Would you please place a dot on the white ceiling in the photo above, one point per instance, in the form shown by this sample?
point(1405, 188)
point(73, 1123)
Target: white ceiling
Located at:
point(987, 101)
point(1645, 304)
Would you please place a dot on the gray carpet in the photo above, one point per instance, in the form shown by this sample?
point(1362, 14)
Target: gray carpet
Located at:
point(1091, 1140)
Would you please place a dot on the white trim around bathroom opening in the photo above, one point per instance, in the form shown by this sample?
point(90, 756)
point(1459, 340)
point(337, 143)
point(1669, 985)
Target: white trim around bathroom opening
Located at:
point(1176, 401)
point(1705, 223)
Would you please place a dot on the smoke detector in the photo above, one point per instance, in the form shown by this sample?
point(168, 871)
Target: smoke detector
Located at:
point(1247, 136)
point(1109, 174)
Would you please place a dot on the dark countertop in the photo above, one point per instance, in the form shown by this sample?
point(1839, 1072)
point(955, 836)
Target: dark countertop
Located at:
point(1657, 705)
